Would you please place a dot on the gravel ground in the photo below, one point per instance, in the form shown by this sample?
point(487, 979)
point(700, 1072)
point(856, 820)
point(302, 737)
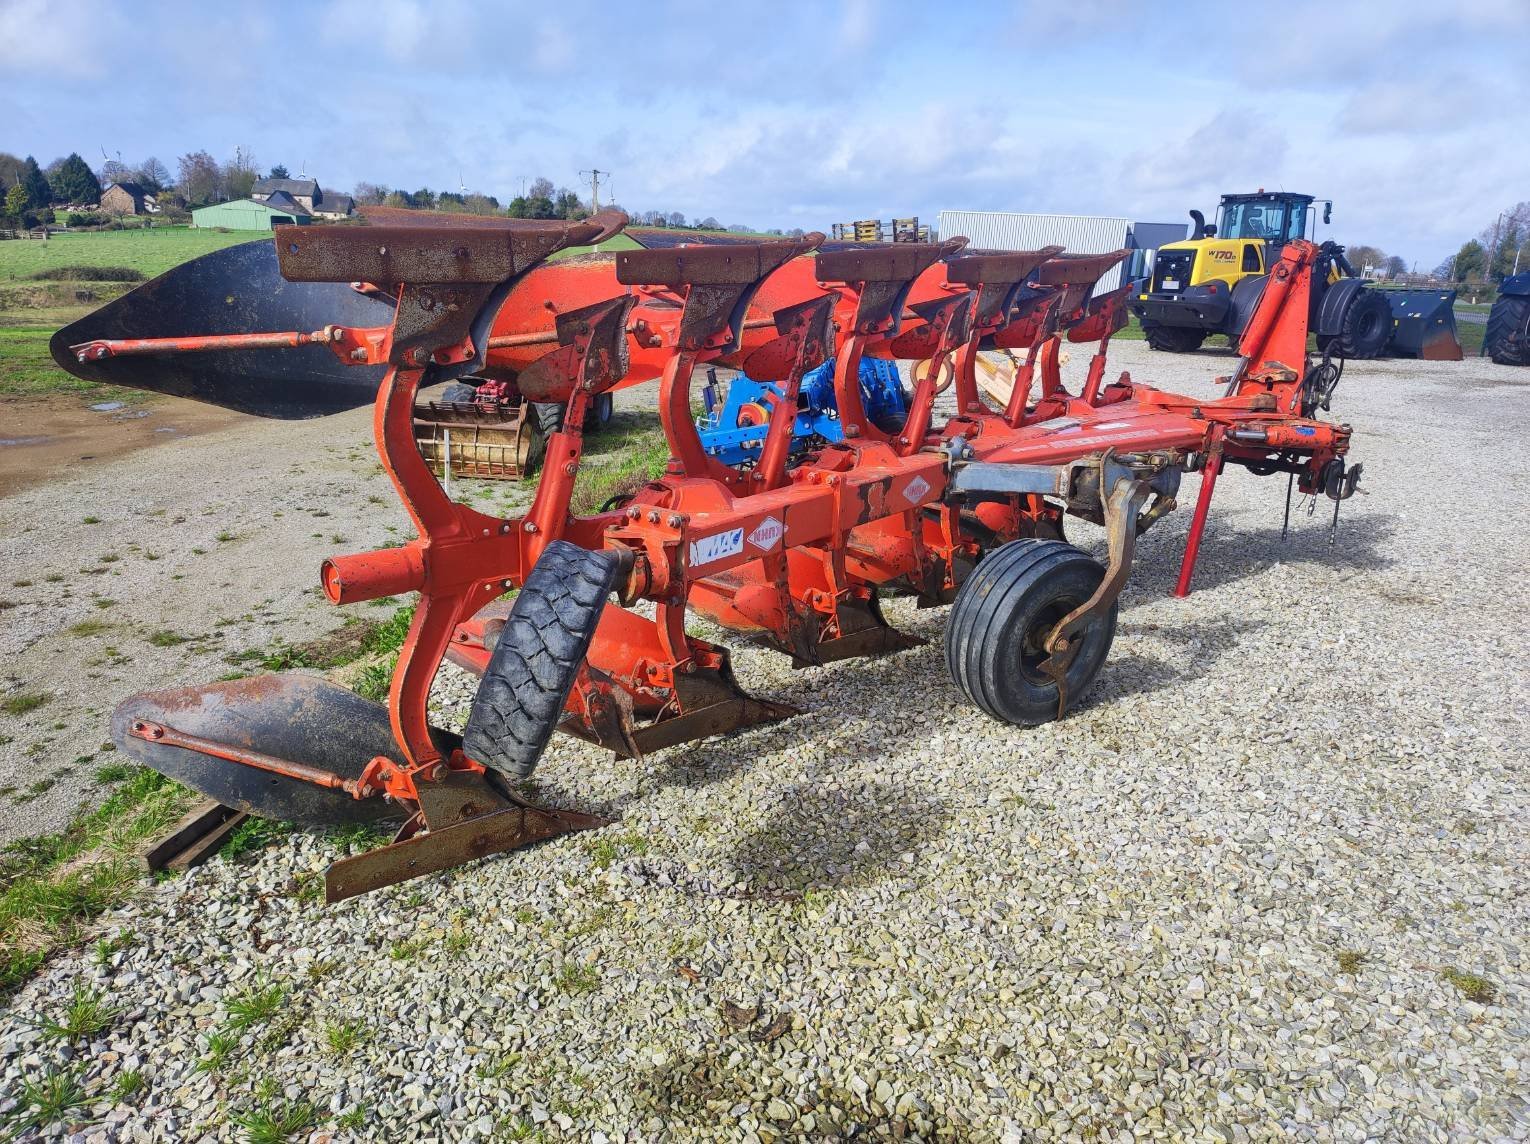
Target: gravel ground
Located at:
point(1231, 898)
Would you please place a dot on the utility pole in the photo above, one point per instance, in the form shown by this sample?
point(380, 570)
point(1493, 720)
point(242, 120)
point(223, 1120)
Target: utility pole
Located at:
point(594, 176)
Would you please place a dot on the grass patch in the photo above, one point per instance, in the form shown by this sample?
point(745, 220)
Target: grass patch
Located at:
point(1473, 986)
point(129, 1085)
point(43, 906)
point(23, 702)
point(52, 1097)
point(345, 1036)
point(273, 1122)
point(629, 458)
point(255, 1006)
point(351, 641)
point(164, 637)
point(219, 1046)
point(89, 627)
point(254, 834)
point(86, 1015)
point(576, 979)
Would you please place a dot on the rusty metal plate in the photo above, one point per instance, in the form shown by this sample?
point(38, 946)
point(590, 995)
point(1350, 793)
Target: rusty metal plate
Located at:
point(428, 252)
point(890, 262)
point(986, 269)
point(680, 266)
point(1079, 269)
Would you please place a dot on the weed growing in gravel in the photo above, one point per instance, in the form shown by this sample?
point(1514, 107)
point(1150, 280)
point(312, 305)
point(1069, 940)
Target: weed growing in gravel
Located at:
point(357, 837)
point(355, 1119)
point(575, 979)
point(1351, 961)
point(89, 627)
point(520, 1129)
point(255, 1005)
point(90, 520)
point(1473, 986)
point(406, 950)
point(273, 1122)
point(106, 947)
point(23, 702)
point(254, 834)
point(164, 637)
point(21, 583)
point(500, 1065)
point(608, 848)
point(219, 1046)
point(128, 1085)
point(41, 1102)
point(344, 1036)
point(86, 1015)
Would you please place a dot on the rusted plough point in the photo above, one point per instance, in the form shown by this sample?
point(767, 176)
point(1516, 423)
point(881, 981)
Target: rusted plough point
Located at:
point(965, 509)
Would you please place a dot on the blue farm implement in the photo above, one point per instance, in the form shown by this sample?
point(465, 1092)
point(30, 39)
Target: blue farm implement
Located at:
point(735, 423)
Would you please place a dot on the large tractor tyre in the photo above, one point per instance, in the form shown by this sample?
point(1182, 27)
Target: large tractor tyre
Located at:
point(1508, 330)
point(536, 657)
point(1173, 339)
point(1004, 611)
point(598, 413)
point(1364, 328)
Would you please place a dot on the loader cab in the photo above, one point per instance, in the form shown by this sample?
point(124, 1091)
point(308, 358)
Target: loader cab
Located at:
point(1270, 217)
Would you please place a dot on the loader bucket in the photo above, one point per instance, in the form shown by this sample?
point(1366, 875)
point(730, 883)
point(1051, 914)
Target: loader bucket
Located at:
point(237, 290)
point(462, 439)
point(289, 716)
point(1424, 324)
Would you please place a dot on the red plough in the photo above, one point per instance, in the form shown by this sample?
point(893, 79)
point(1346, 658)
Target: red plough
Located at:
point(963, 510)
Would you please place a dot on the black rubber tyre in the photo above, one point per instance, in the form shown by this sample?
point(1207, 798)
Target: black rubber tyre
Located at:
point(1508, 330)
point(536, 657)
point(460, 392)
point(1000, 615)
point(597, 415)
point(548, 416)
point(1173, 339)
point(1364, 329)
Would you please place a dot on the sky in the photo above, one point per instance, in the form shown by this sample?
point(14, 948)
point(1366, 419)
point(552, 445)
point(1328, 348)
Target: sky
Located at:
point(1411, 114)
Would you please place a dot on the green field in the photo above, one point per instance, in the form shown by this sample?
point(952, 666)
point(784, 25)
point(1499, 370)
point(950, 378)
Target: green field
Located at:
point(151, 252)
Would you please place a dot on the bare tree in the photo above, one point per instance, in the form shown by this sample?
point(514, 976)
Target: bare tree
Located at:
point(370, 194)
point(239, 174)
point(200, 177)
point(541, 189)
point(1394, 266)
point(676, 218)
point(1362, 257)
point(153, 174)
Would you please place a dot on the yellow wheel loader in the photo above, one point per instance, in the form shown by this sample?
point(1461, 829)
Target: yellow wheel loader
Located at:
point(1211, 282)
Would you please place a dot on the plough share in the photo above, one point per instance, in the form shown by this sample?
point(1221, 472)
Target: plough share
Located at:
point(965, 509)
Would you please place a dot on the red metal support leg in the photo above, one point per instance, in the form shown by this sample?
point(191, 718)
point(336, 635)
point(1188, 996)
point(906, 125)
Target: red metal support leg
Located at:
point(1198, 522)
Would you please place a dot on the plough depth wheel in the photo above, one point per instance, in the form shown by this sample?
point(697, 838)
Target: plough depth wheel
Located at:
point(537, 656)
point(1002, 615)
